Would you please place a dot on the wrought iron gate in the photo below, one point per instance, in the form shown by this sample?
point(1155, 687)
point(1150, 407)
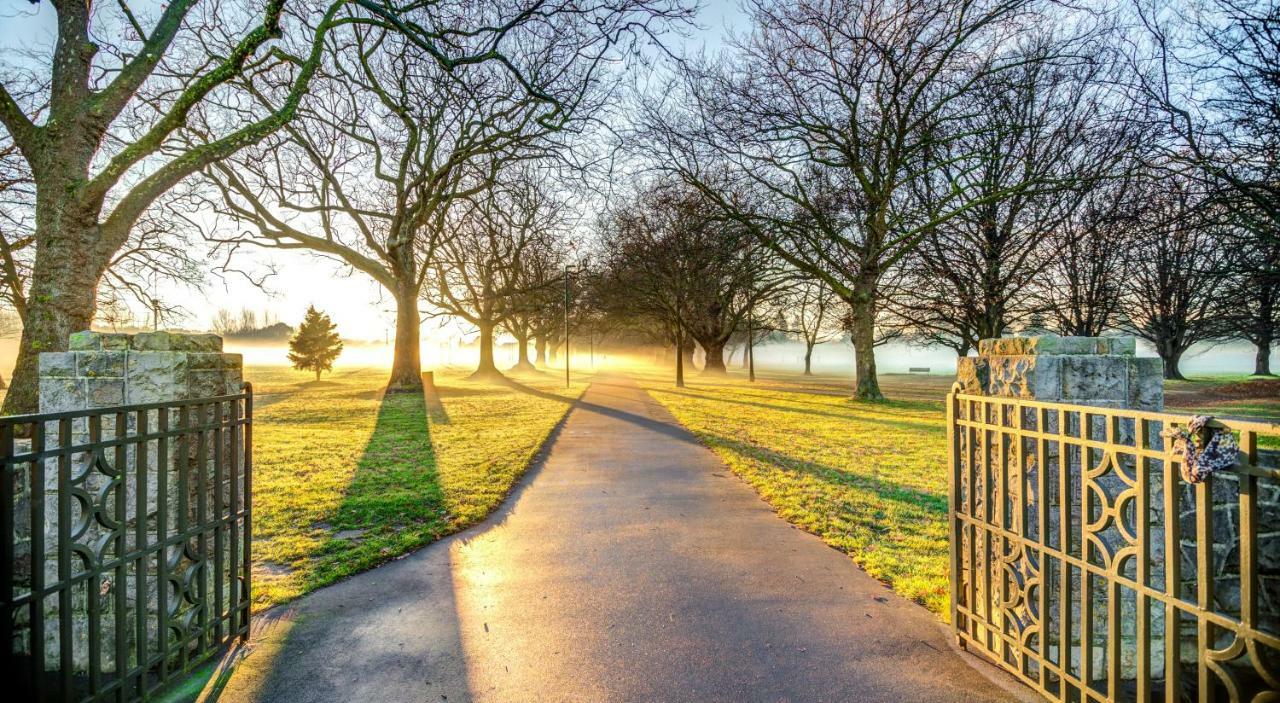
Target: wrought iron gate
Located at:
point(1082, 562)
point(126, 545)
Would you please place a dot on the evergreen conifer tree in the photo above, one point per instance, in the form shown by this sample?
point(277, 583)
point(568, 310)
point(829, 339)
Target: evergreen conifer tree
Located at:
point(316, 344)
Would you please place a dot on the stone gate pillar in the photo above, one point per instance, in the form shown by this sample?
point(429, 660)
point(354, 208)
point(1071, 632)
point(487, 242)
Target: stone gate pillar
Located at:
point(1094, 371)
point(103, 370)
point(1100, 371)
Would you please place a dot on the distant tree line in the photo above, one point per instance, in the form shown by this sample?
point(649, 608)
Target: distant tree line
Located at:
point(937, 171)
point(248, 325)
point(954, 170)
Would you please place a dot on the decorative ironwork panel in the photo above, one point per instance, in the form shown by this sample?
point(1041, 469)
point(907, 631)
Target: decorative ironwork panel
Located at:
point(126, 545)
point(1082, 562)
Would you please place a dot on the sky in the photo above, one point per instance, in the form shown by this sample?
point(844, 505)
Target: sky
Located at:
point(354, 302)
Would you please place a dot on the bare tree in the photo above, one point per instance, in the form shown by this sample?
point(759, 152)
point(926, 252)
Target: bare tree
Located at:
point(478, 275)
point(1088, 254)
point(1212, 69)
point(815, 313)
point(733, 274)
point(1253, 283)
point(533, 308)
point(391, 137)
point(646, 272)
point(95, 126)
point(1055, 124)
point(726, 272)
point(424, 134)
point(820, 120)
point(1173, 294)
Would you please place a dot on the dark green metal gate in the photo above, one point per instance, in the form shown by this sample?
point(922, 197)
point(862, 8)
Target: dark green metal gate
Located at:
point(126, 545)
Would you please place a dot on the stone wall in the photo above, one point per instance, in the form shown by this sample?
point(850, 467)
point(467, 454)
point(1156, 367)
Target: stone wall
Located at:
point(1105, 373)
point(1100, 371)
point(103, 370)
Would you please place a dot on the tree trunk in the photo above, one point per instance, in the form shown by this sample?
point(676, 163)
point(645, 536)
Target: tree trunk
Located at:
point(317, 375)
point(540, 351)
point(679, 361)
point(63, 298)
point(866, 385)
point(406, 362)
point(714, 361)
point(686, 352)
point(486, 369)
point(522, 352)
point(1262, 360)
point(1171, 356)
point(808, 358)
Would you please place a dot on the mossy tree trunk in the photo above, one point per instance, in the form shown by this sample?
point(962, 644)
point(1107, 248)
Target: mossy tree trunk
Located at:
point(406, 362)
point(76, 235)
point(863, 334)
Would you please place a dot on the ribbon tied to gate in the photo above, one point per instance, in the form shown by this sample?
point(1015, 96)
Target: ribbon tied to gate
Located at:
point(1203, 449)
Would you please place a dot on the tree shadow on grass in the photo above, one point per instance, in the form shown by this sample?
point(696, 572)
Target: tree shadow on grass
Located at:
point(435, 404)
point(902, 529)
point(674, 431)
point(463, 392)
point(394, 501)
point(928, 501)
point(392, 505)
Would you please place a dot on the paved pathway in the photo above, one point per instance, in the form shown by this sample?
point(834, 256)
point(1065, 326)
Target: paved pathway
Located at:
point(630, 566)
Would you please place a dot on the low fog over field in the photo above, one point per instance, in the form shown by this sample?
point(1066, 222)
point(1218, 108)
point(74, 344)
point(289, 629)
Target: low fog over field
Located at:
point(834, 358)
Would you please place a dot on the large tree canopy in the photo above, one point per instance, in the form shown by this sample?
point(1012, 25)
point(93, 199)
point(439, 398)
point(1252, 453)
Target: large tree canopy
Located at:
point(813, 128)
point(130, 102)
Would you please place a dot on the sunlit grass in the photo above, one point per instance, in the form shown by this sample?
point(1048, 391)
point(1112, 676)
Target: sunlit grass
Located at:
point(870, 479)
point(346, 479)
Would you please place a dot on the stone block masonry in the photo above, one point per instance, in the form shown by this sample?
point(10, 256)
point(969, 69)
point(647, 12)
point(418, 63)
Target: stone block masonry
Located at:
point(105, 370)
point(1091, 468)
point(1101, 371)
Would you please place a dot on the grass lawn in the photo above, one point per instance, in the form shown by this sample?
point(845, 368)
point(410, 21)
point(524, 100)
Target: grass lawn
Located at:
point(1228, 397)
point(869, 478)
point(345, 478)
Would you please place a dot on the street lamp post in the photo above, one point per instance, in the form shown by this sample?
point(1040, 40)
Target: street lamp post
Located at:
point(566, 326)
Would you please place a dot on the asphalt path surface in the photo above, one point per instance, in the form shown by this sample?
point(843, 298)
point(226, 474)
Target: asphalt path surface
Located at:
point(629, 565)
